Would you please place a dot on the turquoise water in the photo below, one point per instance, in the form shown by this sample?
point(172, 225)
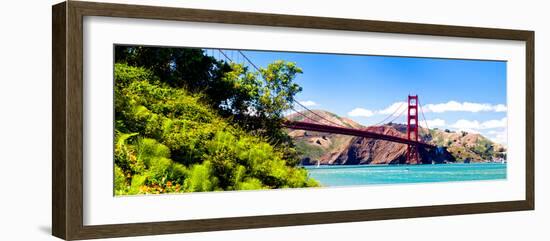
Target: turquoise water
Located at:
point(390, 174)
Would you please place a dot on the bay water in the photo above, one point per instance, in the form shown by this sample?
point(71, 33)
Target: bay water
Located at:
point(341, 175)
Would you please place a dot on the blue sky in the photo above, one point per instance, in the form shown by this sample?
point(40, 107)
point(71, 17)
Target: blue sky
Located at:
point(465, 95)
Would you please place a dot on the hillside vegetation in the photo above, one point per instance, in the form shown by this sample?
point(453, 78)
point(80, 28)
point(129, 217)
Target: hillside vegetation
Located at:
point(170, 140)
point(466, 146)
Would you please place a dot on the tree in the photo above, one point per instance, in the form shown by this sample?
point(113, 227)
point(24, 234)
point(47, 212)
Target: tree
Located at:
point(186, 68)
point(254, 100)
point(260, 99)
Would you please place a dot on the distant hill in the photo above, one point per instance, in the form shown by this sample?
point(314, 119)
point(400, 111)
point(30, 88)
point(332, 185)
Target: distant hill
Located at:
point(334, 149)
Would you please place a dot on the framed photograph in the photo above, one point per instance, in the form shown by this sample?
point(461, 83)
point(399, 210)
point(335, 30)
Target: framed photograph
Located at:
point(172, 120)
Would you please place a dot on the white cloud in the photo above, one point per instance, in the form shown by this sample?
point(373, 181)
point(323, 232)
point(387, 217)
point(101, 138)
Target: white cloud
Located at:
point(392, 109)
point(466, 125)
point(500, 108)
point(476, 125)
point(433, 123)
point(397, 108)
point(495, 130)
point(308, 103)
point(360, 112)
point(495, 123)
point(464, 106)
point(500, 136)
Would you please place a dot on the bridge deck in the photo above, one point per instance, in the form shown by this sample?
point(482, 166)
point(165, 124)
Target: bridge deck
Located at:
point(352, 132)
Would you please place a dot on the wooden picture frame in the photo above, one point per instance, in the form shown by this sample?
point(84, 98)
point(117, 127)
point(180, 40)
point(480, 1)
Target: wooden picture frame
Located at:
point(67, 124)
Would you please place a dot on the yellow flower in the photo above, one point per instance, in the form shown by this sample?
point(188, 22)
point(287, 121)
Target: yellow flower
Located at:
point(143, 189)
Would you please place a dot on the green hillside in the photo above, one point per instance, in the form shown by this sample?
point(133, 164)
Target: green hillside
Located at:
point(168, 140)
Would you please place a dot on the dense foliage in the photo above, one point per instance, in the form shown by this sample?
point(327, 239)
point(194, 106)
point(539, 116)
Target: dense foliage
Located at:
point(170, 139)
point(254, 100)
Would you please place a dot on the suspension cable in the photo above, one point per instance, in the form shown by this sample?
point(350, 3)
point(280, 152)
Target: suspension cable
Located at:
point(302, 114)
point(307, 109)
point(227, 57)
point(248, 60)
point(397, 116)
point(392, 114)
point(296, 102)
point(423, 117)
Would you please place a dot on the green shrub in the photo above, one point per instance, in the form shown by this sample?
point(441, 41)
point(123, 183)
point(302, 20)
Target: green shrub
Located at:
point(200, 179)
point(250, 184)
point(121, 184)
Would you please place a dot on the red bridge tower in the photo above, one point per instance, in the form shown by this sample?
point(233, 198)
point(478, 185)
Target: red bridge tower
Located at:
point(412, 130)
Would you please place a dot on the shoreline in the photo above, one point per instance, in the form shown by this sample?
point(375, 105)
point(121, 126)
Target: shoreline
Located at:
point(395, 165)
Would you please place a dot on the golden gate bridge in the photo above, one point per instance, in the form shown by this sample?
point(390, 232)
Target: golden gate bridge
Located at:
point(313, 121)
